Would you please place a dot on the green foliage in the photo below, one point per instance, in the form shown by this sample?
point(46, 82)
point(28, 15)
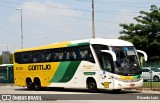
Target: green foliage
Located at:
point(0, 59)
point(145, 35)
point(11, 58)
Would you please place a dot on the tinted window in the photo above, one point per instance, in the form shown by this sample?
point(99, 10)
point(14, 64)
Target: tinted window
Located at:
point(147, 70)
point(106, 62)
point(71, 54)
point(17, 57)
point(54, 55)
point(86, 54)
point(35, 57)
point(97, 49)
point(58, 55)
point(26, 57)
point(143, 70)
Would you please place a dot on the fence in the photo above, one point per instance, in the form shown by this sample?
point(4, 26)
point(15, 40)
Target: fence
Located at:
point(6, 73)
point(151, 75)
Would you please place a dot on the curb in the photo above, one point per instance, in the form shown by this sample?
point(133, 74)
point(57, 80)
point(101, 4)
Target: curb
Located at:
point(145, 89)
point(6, 84)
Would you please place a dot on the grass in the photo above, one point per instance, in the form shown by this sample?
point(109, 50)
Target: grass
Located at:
point(151, 84)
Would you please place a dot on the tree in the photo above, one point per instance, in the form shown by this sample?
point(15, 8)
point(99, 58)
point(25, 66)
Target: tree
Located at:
point(145, 35)
point(11, 58)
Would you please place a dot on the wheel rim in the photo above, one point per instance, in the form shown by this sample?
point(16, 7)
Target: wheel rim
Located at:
point(156, 79)
point(92, 86)
point(29, 85)
point(37, 86)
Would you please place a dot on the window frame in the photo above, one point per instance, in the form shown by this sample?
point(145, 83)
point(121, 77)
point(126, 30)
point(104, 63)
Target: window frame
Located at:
point(53, 51)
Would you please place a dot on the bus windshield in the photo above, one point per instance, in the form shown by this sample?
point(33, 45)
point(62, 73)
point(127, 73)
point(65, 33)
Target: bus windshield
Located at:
point(127, 61)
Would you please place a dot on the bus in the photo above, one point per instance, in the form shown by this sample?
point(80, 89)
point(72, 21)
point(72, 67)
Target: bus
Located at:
point(93, 64)
point(6, 73)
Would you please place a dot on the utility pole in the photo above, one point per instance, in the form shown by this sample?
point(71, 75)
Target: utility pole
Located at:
point(93, 27)
point(21, 28)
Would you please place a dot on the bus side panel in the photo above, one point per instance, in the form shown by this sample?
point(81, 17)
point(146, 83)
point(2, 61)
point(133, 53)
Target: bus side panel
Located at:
point(68, 74)
point(22, 71)
point(79, 77)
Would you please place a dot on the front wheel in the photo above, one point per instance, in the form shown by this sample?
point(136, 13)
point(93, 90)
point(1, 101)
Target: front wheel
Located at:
point(116, 90)
point(92, 86)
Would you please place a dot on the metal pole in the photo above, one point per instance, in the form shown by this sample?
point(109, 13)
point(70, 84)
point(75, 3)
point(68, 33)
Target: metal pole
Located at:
point(21, 31)
point(21, 27)
point(93, 27)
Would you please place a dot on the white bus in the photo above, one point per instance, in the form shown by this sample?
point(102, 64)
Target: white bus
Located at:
point(92, 63)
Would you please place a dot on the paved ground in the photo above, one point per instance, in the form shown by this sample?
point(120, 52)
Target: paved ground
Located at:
point(22, 90)
point(82, 96)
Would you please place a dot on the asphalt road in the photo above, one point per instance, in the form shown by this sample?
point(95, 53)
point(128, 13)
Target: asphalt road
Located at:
point(81, 95)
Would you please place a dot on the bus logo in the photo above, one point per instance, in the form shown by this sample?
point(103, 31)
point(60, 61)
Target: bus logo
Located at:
point(132, 85)
point(6, 98)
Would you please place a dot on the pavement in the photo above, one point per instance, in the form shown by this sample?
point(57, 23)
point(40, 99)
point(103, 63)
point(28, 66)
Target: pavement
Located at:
point(100, 97)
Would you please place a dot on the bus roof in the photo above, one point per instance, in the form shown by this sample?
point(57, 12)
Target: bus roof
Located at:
point(6, 65)
point(109, 42)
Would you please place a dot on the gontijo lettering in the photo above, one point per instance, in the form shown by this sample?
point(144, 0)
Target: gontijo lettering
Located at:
point(39, 67)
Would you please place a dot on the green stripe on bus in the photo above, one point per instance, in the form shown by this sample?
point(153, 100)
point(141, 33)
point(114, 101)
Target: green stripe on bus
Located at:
point(60, 72)
point(137, 76)
point(72, 68)
point(78, 44)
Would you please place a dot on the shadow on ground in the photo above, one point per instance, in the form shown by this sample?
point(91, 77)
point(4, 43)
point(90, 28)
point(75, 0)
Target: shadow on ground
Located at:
point(51, 89)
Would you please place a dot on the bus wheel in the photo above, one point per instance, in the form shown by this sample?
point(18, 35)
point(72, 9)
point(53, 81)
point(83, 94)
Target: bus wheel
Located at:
point(37, 84)
point(116, 90)
point(29, 84)
point(92, 86)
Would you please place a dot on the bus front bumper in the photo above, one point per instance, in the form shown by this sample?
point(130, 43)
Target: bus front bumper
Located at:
point(123, 85)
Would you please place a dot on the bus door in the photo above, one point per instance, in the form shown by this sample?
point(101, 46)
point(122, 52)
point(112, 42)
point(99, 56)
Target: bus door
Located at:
point(106, 75)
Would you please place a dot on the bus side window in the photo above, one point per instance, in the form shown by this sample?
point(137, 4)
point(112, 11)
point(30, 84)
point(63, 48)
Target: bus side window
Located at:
point(103, 58)
point(48, 56)
point(36, 56)
point(71, 54)
point(86, 54)
point(58, 55)
point(42, 56)
point(26, 57)
point(106, 62)
point(17, 57)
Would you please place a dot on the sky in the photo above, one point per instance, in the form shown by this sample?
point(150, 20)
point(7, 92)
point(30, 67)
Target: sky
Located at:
point(49, 21)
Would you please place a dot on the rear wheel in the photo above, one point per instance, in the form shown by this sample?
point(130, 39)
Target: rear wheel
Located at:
point(37, 84)
point(29, 84)
point(92, 86)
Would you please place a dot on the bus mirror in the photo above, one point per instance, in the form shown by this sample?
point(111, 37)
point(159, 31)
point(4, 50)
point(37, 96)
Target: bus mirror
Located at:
point(142, 52)
point(112, 54)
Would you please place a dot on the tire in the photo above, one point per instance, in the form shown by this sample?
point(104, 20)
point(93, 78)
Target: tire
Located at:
point(116, 90)
point(156, 78)
point(37, 84)
point(29, 84)
point(92, 86)
point(144, 80)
